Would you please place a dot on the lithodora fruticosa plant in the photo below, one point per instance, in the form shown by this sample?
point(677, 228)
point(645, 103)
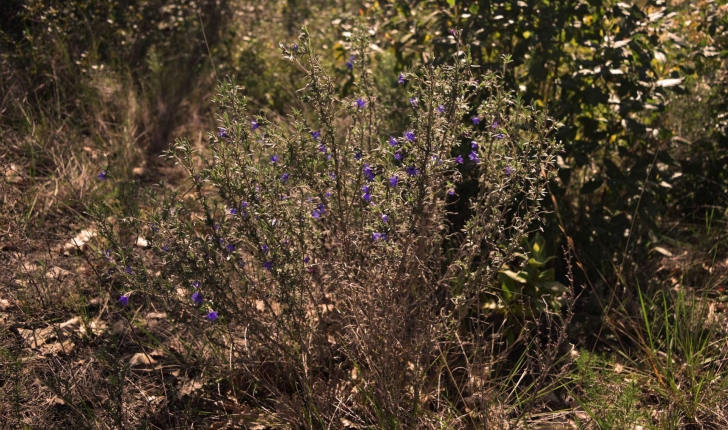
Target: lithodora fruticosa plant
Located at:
point(314, 251)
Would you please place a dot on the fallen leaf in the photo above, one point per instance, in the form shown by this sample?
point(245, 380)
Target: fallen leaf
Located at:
point(57, 273)
point(68, 327)
point(663, 251)
point(141, 359)
point(78, 242)
point(58, 348)
point(665, 83)
point(156, 315)
point(35, 338)
point(189, 386)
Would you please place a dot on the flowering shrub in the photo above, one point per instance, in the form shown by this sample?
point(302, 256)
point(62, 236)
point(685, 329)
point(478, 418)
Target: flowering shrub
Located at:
point(317, 258)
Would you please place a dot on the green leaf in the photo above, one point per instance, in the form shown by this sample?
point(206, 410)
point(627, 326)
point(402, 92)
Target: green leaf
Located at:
point(553, 286)
point(539, 263)
point(547, 275)
point(515, 276)
point(451, 3)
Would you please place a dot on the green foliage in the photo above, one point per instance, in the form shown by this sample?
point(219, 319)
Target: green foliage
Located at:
point(679, 339)
point(609, 71)
point(533, 289)
point(608, 398)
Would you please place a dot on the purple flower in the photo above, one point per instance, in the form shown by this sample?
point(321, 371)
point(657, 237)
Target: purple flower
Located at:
point(459, 159)
point(332, 176)
point(212, 315)
point(441, 108)
point(508, 170)
point(306, 259)
point(393, 181)
point(368, 172)
point(413, 101)
point(474, 157)
point(124, 300)
point(379, 236)
point(244, 205)
point(361, 103)
point(392, 141)
point(102, 175)
point(398, 156)
point(284, 177)
point(254, 124)
point(165, 248)
point(221, 241)
point(350, 63)
point(196, 284)
point(452, 31)
point(295, 47)
point(107, 254)
point(273, 159)
point(268, 265)
point(232, 211)
point(500, 136)
point(366, 196)
point(264, 248)
point(316, 214)
point(215, 227)
point(357, 156)
point(222, 133)
point(327, 194)
point(322, 149)
point(474, 145)
point(197, 298)
point(412, 170)
point(476, 120)
point(316, 134)
point(410, 135)
point(385, 218)
point(128, 270)
point(400, 78)
point(230, 248)
point(450, 192)
point(495, 124)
